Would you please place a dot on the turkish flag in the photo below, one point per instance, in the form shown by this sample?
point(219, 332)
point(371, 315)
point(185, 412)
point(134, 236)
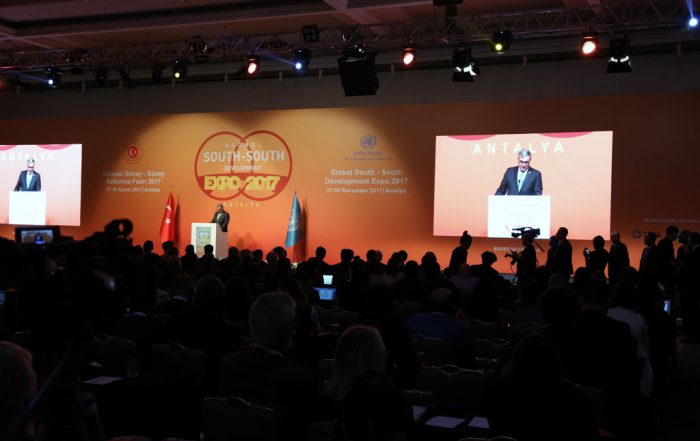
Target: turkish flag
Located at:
point(167, 227)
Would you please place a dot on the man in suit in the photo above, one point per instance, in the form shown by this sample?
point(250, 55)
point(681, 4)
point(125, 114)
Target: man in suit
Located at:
point(619, 258)
point(221, 217)
point(264, 375)
point(666, 257)
point(649, 262)
point(564, 254)
point(29, 180)
point(605, 357)
point(521, 180)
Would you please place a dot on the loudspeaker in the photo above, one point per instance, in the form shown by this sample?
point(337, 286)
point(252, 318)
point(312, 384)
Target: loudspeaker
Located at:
point(358, 74)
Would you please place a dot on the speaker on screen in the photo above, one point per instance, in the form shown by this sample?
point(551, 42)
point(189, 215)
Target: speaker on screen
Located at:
point(358, 74)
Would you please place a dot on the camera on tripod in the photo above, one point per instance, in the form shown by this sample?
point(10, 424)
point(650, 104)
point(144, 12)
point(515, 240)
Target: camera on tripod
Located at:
point(517, 232)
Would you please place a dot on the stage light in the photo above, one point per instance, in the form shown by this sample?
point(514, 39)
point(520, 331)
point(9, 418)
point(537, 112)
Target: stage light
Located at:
point(409, 56)
point(501, 41)
point(357, 72)
point(179, 70)
point(589, 43)
point(198, 46)
point(156, 73)
point(619, 61)
point(692, 22)
point(301, 59)
point(464, 68)
point(310, 34)
point(101, 76)
point(53, 76)
point(252, 64)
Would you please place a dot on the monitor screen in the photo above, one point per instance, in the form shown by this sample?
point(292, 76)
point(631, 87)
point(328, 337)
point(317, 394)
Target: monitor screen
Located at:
point(326, 294)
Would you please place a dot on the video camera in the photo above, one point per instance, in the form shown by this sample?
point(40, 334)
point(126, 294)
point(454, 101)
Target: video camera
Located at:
point(517, 232)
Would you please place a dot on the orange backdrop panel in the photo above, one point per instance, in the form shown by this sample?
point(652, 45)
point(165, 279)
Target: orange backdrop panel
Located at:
point(333, 151)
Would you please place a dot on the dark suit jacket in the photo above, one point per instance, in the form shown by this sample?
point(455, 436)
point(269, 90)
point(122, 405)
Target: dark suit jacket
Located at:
point(273, 381)
point(34, 185)
point(564, 256)
point(605, 354)
point(531, 186)
point(223, 220)
point(619, 260)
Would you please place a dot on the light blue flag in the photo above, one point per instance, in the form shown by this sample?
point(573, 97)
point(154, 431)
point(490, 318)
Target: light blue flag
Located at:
point(294, 228)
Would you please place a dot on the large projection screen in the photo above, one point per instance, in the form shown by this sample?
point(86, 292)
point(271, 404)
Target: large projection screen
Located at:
point(575, 170)
point(58, 167)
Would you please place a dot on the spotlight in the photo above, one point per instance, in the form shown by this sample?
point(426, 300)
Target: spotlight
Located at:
point(692, 22)
point(179, 70)
point(501, 40)
point(409, 56)
point(198, 46)
point(252, 65)
point(156, 73)
point(101, 77)
point(463, 65)
point(310, 34)
point(619, 61)
point(301, 59)
point(589, 43)
point(53, 76)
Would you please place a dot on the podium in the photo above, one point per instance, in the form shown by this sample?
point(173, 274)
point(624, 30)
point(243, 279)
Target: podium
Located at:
point(207, 233)
point(27, 207)
point(508, 212)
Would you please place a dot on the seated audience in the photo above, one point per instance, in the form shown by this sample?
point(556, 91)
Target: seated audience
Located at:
point(533, 402)
point(17, 386)
point(439, 322)
point(264, 376)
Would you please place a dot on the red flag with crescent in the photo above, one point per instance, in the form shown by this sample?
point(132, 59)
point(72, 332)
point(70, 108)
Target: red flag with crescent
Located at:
point(167, 227)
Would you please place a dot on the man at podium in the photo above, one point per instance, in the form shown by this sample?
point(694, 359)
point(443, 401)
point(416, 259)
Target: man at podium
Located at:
point(29, 180)
point(221, 217)
point(522, 180)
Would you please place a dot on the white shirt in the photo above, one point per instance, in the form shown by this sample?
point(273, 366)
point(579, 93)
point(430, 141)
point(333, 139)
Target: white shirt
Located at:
point(521, 177)
point(29, 178)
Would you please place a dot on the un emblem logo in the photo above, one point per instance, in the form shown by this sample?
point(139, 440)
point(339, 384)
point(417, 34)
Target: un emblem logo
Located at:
point(368, 141)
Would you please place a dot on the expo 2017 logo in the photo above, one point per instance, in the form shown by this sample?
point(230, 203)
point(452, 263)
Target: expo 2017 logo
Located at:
point(257, 165)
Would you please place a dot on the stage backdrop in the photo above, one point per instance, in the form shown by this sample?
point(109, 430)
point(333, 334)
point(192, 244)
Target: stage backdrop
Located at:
point(365, 176)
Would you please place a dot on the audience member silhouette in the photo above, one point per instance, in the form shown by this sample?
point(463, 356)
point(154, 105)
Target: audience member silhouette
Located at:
point(598, 258)
point(18, 384)
point(649, 263)
point(459, 255)
point(485, 270)
point(264, 376)
point(359, 350)
point(666, 259)
point(439, 322)
point(533, 402)
point(564, 253)
point(619, 258)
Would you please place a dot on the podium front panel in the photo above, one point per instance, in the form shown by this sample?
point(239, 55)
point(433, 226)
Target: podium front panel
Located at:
point(508, 212)
point(27, 207)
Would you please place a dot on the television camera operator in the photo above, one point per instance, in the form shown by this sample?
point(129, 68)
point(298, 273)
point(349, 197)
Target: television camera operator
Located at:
point(526, 259)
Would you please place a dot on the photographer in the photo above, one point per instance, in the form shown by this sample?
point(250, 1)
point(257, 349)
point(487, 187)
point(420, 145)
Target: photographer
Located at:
point(597, 259)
